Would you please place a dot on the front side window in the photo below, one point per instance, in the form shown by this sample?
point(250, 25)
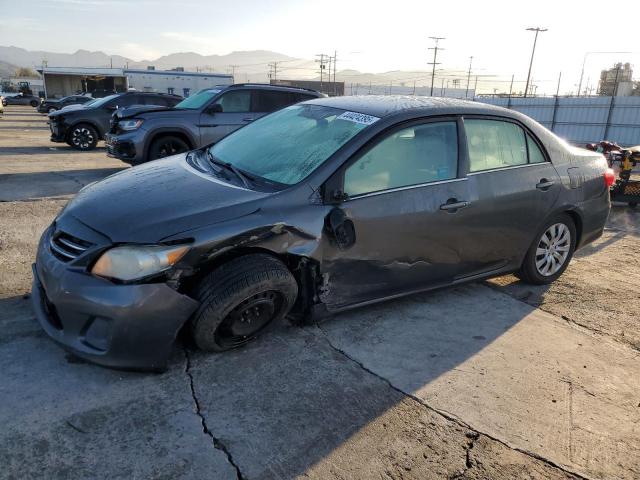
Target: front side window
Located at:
point(494, 144)
point(288, 145)
point(237, 101)
point(411, 156)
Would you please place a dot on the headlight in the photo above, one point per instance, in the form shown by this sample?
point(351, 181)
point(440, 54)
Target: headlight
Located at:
point(130, 124)
point(133, 262)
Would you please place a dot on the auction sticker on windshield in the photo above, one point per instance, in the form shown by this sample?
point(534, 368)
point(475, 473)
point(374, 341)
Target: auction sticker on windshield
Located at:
point(360, 118)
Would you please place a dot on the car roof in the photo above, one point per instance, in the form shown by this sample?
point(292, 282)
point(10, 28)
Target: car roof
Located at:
point(387, 105)
point(267, 86)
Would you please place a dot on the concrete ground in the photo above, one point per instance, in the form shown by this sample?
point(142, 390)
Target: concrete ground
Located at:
point(496, 380)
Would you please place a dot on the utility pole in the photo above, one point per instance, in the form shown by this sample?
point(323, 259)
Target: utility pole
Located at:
point(558, 89)
point(233, 71)
point(335, 57)
point(533, 51)
point(466, 94)
point(322, 61)
point(273, 71)
point(475, 88)
point(511, 86)
point(435, 56)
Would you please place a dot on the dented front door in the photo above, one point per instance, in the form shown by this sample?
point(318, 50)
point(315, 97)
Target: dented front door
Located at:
point(393, 242)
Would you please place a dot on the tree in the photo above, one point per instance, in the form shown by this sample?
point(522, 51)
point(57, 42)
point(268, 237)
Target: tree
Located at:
point(25, 72)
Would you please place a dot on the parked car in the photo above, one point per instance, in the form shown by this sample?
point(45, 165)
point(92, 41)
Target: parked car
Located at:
point(21, 99)
point(51, 105)
point(139, 134)
point(320, 207)
point(82, 128)
point(1, 105)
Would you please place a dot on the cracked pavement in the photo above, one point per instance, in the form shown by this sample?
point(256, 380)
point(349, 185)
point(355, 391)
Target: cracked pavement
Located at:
point(495, 380)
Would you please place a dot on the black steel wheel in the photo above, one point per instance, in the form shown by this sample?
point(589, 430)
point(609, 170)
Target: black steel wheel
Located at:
point(33, 103)
point(240, 300)
point(52, 109)
point(167, 146)
point(83, 137)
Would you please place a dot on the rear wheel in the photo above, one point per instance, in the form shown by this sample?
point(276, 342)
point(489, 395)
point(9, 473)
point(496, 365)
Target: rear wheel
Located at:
point(83, 137)
point(240, 300)
point(167, 146)
point(551, 252)
point(33, 103)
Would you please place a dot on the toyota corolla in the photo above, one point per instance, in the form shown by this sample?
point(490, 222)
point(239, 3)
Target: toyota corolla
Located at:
point(323, 206)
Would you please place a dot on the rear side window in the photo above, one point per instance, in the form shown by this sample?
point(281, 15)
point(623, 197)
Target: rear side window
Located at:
point(535, 154)
point(411, 156)
point(266, 101)
point(494, 144)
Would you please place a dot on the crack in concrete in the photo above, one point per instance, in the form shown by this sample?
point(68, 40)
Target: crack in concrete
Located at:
point(448, 416)
point(217, 444)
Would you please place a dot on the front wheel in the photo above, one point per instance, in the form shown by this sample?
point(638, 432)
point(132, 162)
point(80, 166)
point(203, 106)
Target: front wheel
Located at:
point(167, 146)
point(551, 252)
point(52, 109)
point(83, 137)
point(240, 300)
point(33, 103)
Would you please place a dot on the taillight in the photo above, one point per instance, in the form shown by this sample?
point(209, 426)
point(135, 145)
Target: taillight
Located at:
point(609, 177)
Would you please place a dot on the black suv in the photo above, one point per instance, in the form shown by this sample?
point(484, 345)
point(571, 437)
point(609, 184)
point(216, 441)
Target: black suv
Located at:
point(82, 127)
point(51, 105)
point(141, 134)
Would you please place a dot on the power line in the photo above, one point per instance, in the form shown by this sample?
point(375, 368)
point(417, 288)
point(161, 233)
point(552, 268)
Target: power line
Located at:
point(435, 56)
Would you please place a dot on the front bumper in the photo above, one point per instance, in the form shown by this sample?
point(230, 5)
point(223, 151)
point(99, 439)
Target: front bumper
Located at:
point(58, 132)
point(124, 147)
point(121, 326)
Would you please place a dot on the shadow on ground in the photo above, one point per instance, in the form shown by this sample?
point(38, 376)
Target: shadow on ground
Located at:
point(26, 186)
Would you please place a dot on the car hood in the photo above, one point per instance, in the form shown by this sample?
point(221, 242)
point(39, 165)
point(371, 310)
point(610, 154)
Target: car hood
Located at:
point(138, 110)
point(147, 203)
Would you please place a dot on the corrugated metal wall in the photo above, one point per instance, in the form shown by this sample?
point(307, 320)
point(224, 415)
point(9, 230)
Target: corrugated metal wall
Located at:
point(582, 119)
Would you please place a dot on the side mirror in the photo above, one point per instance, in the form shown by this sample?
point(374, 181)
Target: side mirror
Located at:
point(215, 108)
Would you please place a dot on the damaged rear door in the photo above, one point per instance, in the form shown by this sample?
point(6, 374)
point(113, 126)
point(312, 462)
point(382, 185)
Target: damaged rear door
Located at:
point(400, 215)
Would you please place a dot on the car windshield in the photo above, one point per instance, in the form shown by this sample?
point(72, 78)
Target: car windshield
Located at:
point(286, 146)
point(101, 101)
point(198, 100)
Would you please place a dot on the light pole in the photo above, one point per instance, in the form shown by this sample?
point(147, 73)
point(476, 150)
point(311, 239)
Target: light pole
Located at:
point(533, 51)
point(466, 94)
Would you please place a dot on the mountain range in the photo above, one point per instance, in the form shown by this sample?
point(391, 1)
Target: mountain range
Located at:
point(247, 66)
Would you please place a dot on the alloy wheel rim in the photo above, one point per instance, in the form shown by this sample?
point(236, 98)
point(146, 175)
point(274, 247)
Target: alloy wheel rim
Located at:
point(82, 137)
point(553, 249)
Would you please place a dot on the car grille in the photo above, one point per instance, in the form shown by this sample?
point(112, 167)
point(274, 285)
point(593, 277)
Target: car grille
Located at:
point(66, 247)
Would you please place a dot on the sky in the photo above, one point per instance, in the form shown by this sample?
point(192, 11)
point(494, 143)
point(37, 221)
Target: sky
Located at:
point(370, 36)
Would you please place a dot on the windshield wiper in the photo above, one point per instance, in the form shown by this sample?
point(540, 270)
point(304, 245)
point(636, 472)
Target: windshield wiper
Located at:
point(229, 166)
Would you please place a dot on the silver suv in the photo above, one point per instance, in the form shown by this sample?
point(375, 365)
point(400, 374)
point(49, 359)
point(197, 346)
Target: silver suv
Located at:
point(140, 134)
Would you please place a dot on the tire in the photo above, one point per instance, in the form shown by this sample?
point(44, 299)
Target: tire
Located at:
point(551, 251)
point(52, 109)
point(167, 146)
point(83, 137)
point(33, 103)
point(239, 300)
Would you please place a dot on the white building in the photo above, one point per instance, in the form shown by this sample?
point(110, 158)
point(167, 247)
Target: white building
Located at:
point(63, 81)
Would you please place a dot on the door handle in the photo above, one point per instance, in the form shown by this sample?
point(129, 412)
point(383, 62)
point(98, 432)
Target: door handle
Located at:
point(545, 184)
point(453, 205)
point(248, 119)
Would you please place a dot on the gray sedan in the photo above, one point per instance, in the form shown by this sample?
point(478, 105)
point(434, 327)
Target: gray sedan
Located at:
point(323, 206)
